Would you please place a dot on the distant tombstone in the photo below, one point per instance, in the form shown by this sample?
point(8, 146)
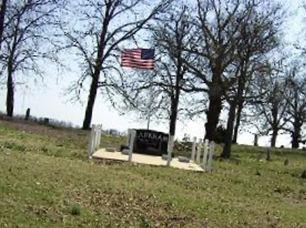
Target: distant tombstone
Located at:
point(268, 158)
point(255, 140)
point(150, 142)
point(46, 121)
point(27, 116)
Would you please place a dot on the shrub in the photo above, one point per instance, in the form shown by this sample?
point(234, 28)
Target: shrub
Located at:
point(75, 209)
point(303, 174)
point(219, 134)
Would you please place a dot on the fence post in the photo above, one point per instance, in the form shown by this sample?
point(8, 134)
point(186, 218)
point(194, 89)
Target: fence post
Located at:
point(205, 159)
point(194, 144)
point(199, 149)
point(98, 136)
point(128, 137)
point(91, 142)
point(211, 153)
point(170, 148)
point(131, 144)
point(94, 139)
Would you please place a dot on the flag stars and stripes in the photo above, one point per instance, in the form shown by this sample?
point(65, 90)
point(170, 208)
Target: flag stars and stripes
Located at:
point(138, 58)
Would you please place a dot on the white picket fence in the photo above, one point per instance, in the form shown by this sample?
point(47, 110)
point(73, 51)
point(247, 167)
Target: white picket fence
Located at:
point(94, 140)
point(208, 153)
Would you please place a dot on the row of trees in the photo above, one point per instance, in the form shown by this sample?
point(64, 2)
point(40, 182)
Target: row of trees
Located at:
point(33, 32)
point(212, 56)
point(226, 56)
point(25, 41)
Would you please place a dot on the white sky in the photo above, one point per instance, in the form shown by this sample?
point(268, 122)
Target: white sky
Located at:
point(46, 99)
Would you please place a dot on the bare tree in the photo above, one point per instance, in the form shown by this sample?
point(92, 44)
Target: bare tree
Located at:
point(27, 39)
point(270, 111)
point(299, 43)
point(296, 112)
point(257, 37)
point(171, 37)
point(102, 26)
point(2, 16)
point(170, 34)
point(214, 49)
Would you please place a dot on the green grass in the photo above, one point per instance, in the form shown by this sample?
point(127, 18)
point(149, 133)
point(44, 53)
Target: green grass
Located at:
point(47, 181)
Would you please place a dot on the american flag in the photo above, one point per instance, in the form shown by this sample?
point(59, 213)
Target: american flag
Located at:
point(138, 58)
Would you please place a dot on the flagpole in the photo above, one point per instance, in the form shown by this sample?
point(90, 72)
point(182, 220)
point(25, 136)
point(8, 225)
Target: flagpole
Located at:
point(149, 108)
point(148, 122)
point(141, 58)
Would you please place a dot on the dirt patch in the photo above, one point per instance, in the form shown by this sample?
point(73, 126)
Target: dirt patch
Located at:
point(134, 208)
point(38, 128)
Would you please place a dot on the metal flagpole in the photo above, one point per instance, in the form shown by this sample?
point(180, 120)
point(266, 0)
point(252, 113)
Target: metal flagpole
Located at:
point(148, 122)
point(150, 104)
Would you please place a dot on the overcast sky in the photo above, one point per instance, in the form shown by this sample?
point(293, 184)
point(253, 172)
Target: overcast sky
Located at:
point(47, 98)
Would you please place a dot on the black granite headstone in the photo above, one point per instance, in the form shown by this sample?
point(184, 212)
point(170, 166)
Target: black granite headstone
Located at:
point(27, 117)
point(150, 142)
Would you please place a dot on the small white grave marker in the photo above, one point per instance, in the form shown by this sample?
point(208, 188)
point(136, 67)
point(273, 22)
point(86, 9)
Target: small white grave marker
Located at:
point(206, 149)
point(132, 136)
point(94, 139)
point(199, 149)
point(210, 157)
point(193, 152)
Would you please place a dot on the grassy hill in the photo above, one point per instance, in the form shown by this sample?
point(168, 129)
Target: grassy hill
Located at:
point(46, 180)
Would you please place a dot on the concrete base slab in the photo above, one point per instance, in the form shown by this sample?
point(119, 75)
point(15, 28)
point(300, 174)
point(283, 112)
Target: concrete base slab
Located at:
point(146, 159)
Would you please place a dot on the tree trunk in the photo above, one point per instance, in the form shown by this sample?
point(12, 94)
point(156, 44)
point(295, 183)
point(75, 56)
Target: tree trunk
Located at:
point(215, 107)
point(295, 142)
point(174, 107)
point(255, 140)
point(97, 70)
point(298, 123)
point(91, 101)
point(274, 136)
point(173, 116)
point(214, 110)
point(275, 128)
point(296, 135)
point(239, 96)
point(229, 131)
point(10, 91)
point(175, 98)
point(2, 17)
point(237, 124)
